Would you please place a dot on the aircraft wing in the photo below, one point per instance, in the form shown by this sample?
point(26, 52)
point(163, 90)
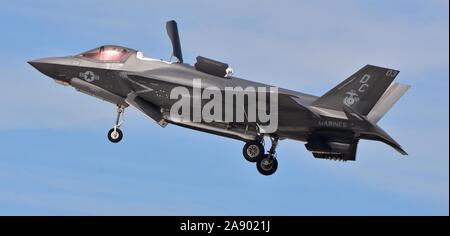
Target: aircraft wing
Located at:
point(302, 105)
point(143, 82)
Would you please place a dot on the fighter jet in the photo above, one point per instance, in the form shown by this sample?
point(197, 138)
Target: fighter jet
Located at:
point(331, 125)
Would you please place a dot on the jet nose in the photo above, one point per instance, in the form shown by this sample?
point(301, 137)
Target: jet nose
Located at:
point(45, 65)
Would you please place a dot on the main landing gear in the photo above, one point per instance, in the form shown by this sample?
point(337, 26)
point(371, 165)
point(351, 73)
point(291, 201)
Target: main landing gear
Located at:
point(266, 164)
point(253, 151)
point(115, 134)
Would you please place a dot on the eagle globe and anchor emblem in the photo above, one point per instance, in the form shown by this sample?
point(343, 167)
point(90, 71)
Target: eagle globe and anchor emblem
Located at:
point(89, 76)
point(351, 98)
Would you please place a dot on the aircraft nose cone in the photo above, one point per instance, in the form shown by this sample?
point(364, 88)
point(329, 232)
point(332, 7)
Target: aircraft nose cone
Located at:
point(45, 66)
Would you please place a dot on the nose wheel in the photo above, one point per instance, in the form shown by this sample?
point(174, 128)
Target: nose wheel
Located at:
point(115, 134)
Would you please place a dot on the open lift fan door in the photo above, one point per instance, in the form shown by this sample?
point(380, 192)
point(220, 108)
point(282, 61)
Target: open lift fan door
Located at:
point(211, 67)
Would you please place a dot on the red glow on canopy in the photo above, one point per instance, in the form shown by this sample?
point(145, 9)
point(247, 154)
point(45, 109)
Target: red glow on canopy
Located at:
point(107, 54)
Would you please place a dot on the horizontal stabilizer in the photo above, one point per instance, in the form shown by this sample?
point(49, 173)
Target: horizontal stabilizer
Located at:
point(374, 131)
point(385, 138)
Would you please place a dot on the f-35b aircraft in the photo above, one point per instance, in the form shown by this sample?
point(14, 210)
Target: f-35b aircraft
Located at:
point(331, 125)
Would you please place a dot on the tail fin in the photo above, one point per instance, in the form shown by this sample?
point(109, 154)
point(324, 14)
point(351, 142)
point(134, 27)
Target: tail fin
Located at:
point(389, 98)
point(361, 91)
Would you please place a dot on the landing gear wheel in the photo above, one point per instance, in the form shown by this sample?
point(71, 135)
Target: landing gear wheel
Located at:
point(267, 166)
point(253, 151)
point(115, 135)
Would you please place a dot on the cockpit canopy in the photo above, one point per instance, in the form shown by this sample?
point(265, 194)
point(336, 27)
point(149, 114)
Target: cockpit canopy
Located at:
point(108, 53)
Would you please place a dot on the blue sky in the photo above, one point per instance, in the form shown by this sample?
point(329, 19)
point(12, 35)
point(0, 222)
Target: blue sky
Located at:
point(55, 158)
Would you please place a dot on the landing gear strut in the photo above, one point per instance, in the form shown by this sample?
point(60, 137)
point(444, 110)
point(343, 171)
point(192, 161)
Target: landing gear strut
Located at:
point(115, 134)
point(268, 164)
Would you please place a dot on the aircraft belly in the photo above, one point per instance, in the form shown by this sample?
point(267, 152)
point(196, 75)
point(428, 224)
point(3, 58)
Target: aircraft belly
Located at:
point(242, 132)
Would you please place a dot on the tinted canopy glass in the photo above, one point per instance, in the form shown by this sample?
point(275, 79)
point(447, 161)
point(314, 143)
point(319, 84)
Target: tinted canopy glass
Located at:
point(108, 53)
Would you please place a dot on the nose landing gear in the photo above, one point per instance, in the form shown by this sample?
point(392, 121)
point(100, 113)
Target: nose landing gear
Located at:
point(115, 134)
